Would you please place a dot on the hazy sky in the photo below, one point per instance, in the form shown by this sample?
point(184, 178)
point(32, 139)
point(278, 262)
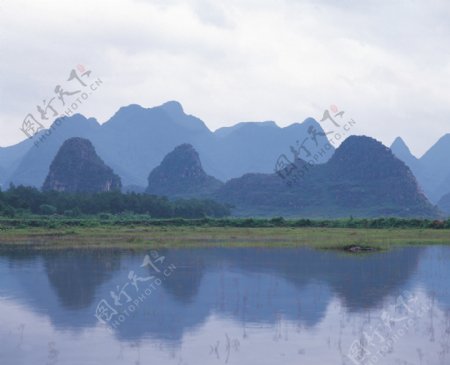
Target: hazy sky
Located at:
point(386, 63)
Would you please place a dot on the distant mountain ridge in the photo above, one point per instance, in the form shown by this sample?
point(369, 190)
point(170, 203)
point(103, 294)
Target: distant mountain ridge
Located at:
point(362, 178)
point(135, 140)
point(33, 162)
point(444, 204)
point(401, 151)
point(431, 170)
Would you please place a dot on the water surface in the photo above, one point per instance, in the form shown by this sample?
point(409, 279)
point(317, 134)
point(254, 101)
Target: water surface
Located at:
point(225, 305)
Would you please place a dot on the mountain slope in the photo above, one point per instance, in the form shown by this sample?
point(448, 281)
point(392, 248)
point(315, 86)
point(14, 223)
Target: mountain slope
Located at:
point(363, 178)
point(10, 158)
point(34, 165)
point(136, 139)
point(444, 204)
point(254, 147)
point(402, 152)
point(431, 170)
point(77, 168)
point(180, 174)
point(435, 169)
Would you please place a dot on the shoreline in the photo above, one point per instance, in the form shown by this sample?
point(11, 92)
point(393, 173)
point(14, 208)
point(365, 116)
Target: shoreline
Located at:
point(143, 237)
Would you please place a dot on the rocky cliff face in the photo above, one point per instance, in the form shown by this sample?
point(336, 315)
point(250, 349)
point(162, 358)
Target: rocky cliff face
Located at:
point(78, 168)
point(181, 174)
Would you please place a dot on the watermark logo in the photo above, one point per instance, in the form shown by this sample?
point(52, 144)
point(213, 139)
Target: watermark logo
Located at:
point(127, 297)
point(394, 323)
point(224, 349)
point(314, 147)
point(66, 98)
point(53, 353)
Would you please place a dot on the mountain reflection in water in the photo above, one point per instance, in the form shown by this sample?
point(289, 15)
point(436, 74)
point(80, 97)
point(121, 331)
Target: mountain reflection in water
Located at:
point(217, 304)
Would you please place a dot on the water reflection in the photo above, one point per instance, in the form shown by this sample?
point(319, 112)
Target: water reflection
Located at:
point(215, 300)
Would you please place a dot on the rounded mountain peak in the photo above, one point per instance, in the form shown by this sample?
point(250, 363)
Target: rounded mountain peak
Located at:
point(78, 168)
point(366, 158)
point(181, 174)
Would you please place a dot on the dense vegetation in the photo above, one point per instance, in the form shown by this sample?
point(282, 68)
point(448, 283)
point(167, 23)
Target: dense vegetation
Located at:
point(136, 220)
point(181, 174)
point(77, 168)
point(22, 201)
point(362, 178)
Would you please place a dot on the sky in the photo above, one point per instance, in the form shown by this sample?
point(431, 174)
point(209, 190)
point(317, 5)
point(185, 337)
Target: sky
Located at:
point(385, 63)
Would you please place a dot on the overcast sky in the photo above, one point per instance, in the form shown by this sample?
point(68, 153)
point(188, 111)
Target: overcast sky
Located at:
point(385, 63)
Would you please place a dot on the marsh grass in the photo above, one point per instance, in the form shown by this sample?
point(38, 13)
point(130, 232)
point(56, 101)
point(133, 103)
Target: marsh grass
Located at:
point(143, 237)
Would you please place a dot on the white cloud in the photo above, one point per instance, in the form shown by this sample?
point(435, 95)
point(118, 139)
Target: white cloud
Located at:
point(386, 63)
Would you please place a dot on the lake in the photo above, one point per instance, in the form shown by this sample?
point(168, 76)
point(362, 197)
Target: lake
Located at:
point(225, 306)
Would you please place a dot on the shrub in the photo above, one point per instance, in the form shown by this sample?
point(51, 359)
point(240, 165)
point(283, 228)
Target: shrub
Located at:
point(278, 221)
point(104, 216)
point(9, 212)
point(47, 209)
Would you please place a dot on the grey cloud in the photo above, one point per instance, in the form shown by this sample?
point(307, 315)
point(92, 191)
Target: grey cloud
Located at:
point(386, 62)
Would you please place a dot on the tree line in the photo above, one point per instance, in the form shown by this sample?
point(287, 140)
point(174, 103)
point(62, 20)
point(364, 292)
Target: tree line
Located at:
point(25, 200)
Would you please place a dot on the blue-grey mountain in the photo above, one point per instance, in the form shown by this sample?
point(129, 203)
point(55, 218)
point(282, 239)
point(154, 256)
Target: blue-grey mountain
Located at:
point(136, 139)
point(363, 178)
point(181, 174)
point(431, 170)
point(77, 169)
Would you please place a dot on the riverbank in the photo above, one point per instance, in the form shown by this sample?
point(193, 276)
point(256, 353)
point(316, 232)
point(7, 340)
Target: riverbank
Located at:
point(142, 237)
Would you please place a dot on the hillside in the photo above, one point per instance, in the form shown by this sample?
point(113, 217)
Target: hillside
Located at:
point(181, 174)
point(363, 178)
point(77, 168)
point(444, 204)
point(135, 140)
point(431, 170)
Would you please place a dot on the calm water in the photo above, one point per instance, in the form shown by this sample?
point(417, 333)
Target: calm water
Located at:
point(234, 306)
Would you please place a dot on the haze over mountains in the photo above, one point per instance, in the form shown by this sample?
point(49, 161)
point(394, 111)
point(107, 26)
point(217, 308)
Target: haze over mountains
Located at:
point(363, 178)
point(432, 169)
point(136, 139)
point(164, 151)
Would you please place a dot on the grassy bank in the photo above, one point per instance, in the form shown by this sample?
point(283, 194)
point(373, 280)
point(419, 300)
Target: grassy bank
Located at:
point(53, 233)
point(126, 220)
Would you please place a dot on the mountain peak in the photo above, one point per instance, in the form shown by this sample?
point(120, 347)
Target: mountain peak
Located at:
point(173, 107)
point(353, 143)
point(76, 120)
point(362, 178)
point(399, 146)
point(399, 142)
point(185, 147)
point(402, 152)
point(129, 110)
point(310, 120)
point(362, 157)
point(78, 168)
point(307, 123)
point(188, 154)
point(181, 174)
point(183, 161)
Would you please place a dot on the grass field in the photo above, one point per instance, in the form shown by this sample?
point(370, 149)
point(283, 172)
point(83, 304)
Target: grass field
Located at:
point(141, 237)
